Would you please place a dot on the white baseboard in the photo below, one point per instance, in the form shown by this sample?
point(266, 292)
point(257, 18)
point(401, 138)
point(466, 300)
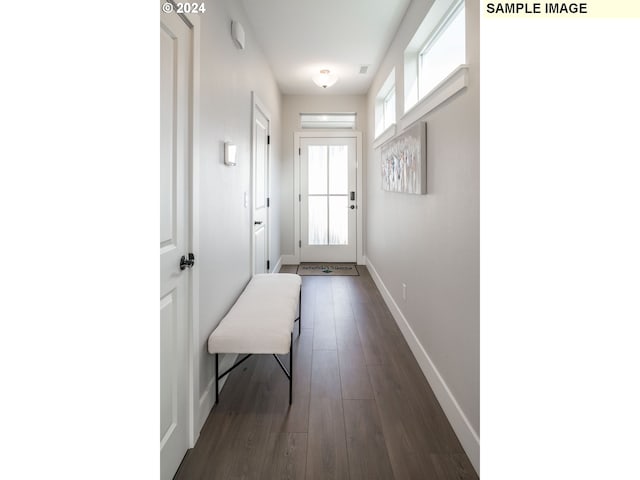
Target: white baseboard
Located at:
point(277, 266)
point(290, 260)
point(208, 398)
point(466, 434)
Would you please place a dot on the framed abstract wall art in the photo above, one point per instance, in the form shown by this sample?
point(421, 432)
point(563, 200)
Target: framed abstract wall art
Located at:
point(404, 161)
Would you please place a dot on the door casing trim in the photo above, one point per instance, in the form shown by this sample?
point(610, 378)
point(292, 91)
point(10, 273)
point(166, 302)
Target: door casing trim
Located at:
point(297, 136)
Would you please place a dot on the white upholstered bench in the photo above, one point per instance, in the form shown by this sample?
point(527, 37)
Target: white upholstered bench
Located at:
point(261, 322)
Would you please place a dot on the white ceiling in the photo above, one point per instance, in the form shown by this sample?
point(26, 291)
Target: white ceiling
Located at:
point(301, 37)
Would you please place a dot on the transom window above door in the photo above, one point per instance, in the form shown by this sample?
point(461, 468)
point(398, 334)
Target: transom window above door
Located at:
point(344, 120)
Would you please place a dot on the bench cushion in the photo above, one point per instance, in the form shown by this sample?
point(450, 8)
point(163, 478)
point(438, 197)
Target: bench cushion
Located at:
point(261, 321)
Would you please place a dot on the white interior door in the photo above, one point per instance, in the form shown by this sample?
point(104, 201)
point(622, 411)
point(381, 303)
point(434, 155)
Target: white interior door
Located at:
point(328, 199)
point(175, 48)
point(260, 191)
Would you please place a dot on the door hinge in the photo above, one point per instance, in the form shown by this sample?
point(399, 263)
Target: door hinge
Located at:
point(268, 264)
point(299, 197)
point(299, 151)
point(268, 139)
point(268, 202)
point(300, 243)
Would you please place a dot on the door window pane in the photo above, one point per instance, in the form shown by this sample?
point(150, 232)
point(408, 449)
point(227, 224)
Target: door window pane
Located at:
point(318, 234)
point(338, 169)
point(339, 216)
point(317, 169)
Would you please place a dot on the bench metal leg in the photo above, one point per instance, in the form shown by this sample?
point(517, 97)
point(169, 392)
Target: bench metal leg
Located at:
point(227, 371)
point(300, 313)
point(217, 378)
point(299, 319)
point(288, 373)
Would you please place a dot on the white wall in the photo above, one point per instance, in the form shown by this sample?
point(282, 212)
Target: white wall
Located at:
point(431, 242)
point(228, 75)
point(292, 106)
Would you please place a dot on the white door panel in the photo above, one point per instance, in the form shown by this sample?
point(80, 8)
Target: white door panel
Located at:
point(260, 258)
point(260, 190)
point(328, 199)
point(175, 58)
point(169, 420)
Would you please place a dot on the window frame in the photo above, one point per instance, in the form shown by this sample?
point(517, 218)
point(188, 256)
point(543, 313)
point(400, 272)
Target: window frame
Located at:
point(382, 120)
point(437, 32)
point(412, 105)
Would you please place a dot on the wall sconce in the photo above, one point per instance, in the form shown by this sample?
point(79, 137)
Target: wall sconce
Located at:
point(230, 153)
point(324, 79)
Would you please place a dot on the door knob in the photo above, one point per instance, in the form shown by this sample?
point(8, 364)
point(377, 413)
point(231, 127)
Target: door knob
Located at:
point(184, 262)
point(352, 207)
point(258, 222)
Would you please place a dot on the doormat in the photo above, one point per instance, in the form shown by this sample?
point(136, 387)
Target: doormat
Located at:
point(328, 269)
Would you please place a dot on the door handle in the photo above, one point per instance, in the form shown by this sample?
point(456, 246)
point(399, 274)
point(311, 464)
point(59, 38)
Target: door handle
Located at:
point(184, 262)
point(352, 207)
point(258, 222)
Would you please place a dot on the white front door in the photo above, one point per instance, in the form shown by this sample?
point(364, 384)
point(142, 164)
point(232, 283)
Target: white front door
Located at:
point(260, 190)
point(175, 67)
point(328, 199)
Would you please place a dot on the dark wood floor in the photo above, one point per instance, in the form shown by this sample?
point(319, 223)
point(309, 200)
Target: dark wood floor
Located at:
point(362, 408)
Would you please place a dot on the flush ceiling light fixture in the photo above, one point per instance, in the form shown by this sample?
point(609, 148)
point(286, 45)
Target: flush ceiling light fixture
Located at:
point(325, 78)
